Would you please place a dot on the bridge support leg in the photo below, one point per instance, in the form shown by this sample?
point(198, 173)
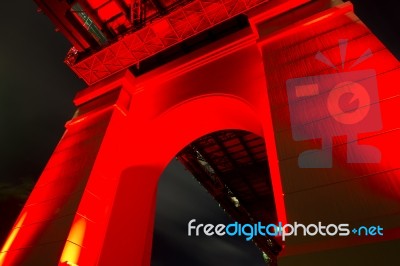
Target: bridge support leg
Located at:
point(66, 219)
point(307, 53)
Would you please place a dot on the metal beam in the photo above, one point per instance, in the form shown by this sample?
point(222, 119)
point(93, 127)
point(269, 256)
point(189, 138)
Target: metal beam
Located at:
point(240, 214)
point(125, 9)
point(95, 18)
point(247, 149)
point(233, 162)
point(160, 7)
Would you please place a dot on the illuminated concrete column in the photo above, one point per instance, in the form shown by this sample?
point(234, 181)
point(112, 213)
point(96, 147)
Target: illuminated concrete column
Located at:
point(71, 201)
point(355, 177)
point(124, 134)
point(117, 207)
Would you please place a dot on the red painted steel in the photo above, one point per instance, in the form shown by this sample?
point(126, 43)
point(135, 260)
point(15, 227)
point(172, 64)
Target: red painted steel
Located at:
point(163, 33)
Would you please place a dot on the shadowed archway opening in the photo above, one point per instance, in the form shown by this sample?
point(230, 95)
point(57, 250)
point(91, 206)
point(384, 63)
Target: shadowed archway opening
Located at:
point(232, 168)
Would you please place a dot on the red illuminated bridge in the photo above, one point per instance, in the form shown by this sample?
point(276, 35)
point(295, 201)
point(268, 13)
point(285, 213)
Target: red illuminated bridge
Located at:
point(209, 83)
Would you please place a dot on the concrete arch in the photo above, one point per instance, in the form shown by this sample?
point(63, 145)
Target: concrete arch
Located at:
point(138, 182)
point(187, 121)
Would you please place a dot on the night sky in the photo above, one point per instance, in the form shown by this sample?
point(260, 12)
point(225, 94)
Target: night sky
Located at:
point(36, 92)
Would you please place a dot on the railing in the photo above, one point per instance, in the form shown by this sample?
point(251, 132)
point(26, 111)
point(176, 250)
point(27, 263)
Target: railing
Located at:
point(185, 22)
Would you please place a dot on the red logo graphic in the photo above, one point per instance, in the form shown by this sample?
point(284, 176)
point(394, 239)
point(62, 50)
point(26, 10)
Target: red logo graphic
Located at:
point(340, 104)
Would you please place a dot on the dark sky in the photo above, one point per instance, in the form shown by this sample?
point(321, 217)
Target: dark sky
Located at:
point(36, 92)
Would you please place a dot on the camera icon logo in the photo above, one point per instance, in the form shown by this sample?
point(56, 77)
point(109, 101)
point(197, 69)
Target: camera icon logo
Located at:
point(340, 104)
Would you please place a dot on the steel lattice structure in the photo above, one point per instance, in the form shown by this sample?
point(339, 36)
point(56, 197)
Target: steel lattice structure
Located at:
point(171, 29)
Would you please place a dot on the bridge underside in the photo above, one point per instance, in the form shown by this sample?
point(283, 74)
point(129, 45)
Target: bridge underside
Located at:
point(233, 167)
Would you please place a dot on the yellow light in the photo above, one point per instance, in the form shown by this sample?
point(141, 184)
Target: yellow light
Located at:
point(73, 246)
point(11, 238)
